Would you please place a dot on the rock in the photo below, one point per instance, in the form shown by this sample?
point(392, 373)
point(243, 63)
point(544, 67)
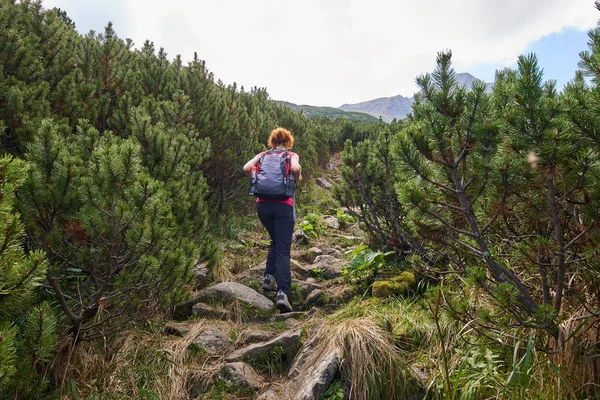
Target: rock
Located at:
point(330, 221)
point(317, 378)
point(254, 336)
point(269, 395)
point(312, 253)
point(240, 375)
point(329, 265)
point(283, 317)
point(288, 341)
point(292, 323)
point(317, 297)
point(254, 274)
point(341, 294)
point(305, 353)
point(332, 252)
point(324, 183)
point(213, 340)
point(202, 310)
point(201, 272)
point(298, 236)
point(236, 291)
point(311, 280)
point(298, 270)
point(306, 287)
point(177, 329)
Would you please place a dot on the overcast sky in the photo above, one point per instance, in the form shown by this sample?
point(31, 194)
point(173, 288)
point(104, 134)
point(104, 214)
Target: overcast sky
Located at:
point(330, 52)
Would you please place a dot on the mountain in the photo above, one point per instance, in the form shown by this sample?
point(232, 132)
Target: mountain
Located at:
point(387, 108)
point(397, 107)
point(330, 112)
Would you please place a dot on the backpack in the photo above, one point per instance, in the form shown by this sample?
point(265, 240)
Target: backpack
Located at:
point(272, 179)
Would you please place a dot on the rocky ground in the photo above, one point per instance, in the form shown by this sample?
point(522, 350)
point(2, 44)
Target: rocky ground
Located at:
point(271, 355)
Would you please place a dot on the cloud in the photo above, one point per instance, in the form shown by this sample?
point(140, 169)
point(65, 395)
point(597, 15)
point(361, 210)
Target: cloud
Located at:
point(329, 52)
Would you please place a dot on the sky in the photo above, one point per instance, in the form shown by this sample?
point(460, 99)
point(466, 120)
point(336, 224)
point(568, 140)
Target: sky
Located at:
point(331, 52)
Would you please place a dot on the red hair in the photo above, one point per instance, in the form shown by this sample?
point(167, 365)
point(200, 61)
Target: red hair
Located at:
point(280, 137)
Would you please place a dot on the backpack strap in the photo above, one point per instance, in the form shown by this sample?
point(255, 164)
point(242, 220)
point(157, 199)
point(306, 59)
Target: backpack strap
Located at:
point(284, 167)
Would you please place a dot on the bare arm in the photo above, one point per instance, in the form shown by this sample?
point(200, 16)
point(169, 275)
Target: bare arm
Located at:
point(296, 168)
point(252, 163)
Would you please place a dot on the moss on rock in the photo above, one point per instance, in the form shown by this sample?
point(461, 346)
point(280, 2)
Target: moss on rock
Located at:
point(395, 286)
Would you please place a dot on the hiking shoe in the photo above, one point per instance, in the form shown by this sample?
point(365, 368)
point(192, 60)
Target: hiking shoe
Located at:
point(269, 284)
point(282, 302)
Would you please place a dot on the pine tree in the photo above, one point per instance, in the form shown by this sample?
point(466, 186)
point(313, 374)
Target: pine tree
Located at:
point(27, 331)
point(107, 228)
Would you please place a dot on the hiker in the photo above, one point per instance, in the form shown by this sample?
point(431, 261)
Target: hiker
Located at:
point(278, 216)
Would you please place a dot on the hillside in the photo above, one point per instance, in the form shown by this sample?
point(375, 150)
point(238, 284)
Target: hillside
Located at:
point(331, 112)
point(399, 106)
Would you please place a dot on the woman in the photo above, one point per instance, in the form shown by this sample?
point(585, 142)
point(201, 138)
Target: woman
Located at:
point(278, 217)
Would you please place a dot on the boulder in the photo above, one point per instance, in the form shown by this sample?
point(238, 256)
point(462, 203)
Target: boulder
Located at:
point(177, 329)
point(292, 323)
point(330, 221)
point(332, 252)
point(285, 316)
point(227, 291)
point(317, 378)
point(213, 340)
point(317, 297)
point(298, 270)
point(310, 254)
point(324, 183)
point(269, 395)
point(329, 265)
point(254, 274)
point(288, 340)
point(240, 375)
point(306, 287)
point(202, 310)
point(201, 273)
point(255, 335)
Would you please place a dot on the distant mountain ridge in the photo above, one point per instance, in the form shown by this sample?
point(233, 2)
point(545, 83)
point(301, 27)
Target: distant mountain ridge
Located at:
point(397, 107)
point(330, 112)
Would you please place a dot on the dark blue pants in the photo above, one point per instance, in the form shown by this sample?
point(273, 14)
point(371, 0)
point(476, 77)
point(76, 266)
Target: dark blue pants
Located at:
point(278, 219)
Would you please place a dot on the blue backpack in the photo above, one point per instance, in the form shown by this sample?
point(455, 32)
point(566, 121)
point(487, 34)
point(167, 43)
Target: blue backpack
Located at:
point(272, 179)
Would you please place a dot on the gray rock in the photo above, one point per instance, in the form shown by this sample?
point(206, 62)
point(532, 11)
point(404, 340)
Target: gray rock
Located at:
point(317, 297)
point(291, 323)
point(254, 274)
point(288, 341)
point(311, 280)
point(331, 266)
point(254, 336)
point(283, 317)
point(236, 291)
point(269, 395)
point(306, 287)
point(311, 254)
point(202, 310)
point(298, 270)
point(201, 272)
point(213, 340)
point(324, 183)
point(305, 354)
point(332, 252)
point(177, 329)
point(241, 375)
point(298, 236)
point(330, 221)
point(318, 376)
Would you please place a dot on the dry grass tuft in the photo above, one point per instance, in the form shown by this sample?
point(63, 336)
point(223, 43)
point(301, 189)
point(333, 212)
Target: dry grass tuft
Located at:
point(577, 350)
point(371, 363)
point(136, 365)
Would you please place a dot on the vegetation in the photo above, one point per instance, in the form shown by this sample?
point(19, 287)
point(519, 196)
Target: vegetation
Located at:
point(120, 174)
